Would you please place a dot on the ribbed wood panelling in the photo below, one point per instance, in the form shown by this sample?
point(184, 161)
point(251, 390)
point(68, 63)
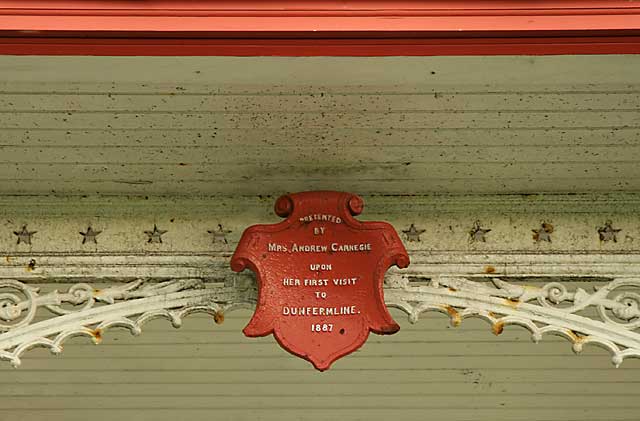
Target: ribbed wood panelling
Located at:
point(426, 371)
point(87, 125)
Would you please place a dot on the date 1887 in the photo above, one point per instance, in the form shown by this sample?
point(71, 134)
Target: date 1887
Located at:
point(325, 327)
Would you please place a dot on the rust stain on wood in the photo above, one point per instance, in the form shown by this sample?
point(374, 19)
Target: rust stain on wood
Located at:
point(218, 317)
point(489, 269)
point(575, 337)
point(454, 315)
point(96, 334)
point(512, 302)
point(547, 227)
point(497, 328)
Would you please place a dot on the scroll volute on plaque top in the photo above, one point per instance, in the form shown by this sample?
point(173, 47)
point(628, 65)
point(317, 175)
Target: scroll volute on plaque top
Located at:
point(320, 274)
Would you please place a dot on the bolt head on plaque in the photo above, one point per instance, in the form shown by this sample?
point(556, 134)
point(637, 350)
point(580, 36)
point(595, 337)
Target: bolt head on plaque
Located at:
point(320, 274)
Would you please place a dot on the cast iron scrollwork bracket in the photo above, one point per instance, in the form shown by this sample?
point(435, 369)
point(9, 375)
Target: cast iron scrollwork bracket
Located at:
point(85, 311)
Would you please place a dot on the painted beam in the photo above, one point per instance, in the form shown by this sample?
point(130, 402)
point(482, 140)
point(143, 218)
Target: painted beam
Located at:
point(353, 28)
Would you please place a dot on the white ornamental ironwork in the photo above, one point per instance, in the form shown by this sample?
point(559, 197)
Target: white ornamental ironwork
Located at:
point(84, 310)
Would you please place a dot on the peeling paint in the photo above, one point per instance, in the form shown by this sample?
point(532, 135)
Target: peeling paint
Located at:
point(96, 334)
point(512, 302)
point(454, 315)
point(218, 317)
point(489, 269)
point(575, 337)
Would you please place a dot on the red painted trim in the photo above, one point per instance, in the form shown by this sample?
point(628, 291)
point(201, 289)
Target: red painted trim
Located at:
point(319, 27)
point(318, 15)
point(325, 23)
point(320, 47)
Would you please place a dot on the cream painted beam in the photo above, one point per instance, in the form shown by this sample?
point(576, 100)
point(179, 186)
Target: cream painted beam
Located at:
point(560, 264)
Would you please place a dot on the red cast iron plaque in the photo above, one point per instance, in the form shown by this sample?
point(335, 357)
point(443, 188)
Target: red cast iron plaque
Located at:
point(320, 275)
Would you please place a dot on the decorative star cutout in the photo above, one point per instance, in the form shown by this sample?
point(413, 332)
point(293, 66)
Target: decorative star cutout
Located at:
point(543, 233)
point(220, 234)
point(155, 236)
point(413, 234)
point(90, 235)
point(24, 235)
point(478, 233)
point(608, 233)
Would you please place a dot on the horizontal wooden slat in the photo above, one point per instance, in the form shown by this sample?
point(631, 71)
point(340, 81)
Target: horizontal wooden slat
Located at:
point(347, 390)
point(284, 362)
point(255, 186)
point(214, 349)
point(302, 403)
point(314, 102)
point(413, 173)
point(322, 414)
point(379, 206)
point(361, 138)
point(327, 119)
point(321, 157)
point(242, 74)
point(375, 375)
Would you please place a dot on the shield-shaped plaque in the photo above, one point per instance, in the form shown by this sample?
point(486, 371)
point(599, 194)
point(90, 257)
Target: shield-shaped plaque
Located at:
point(320, 274)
